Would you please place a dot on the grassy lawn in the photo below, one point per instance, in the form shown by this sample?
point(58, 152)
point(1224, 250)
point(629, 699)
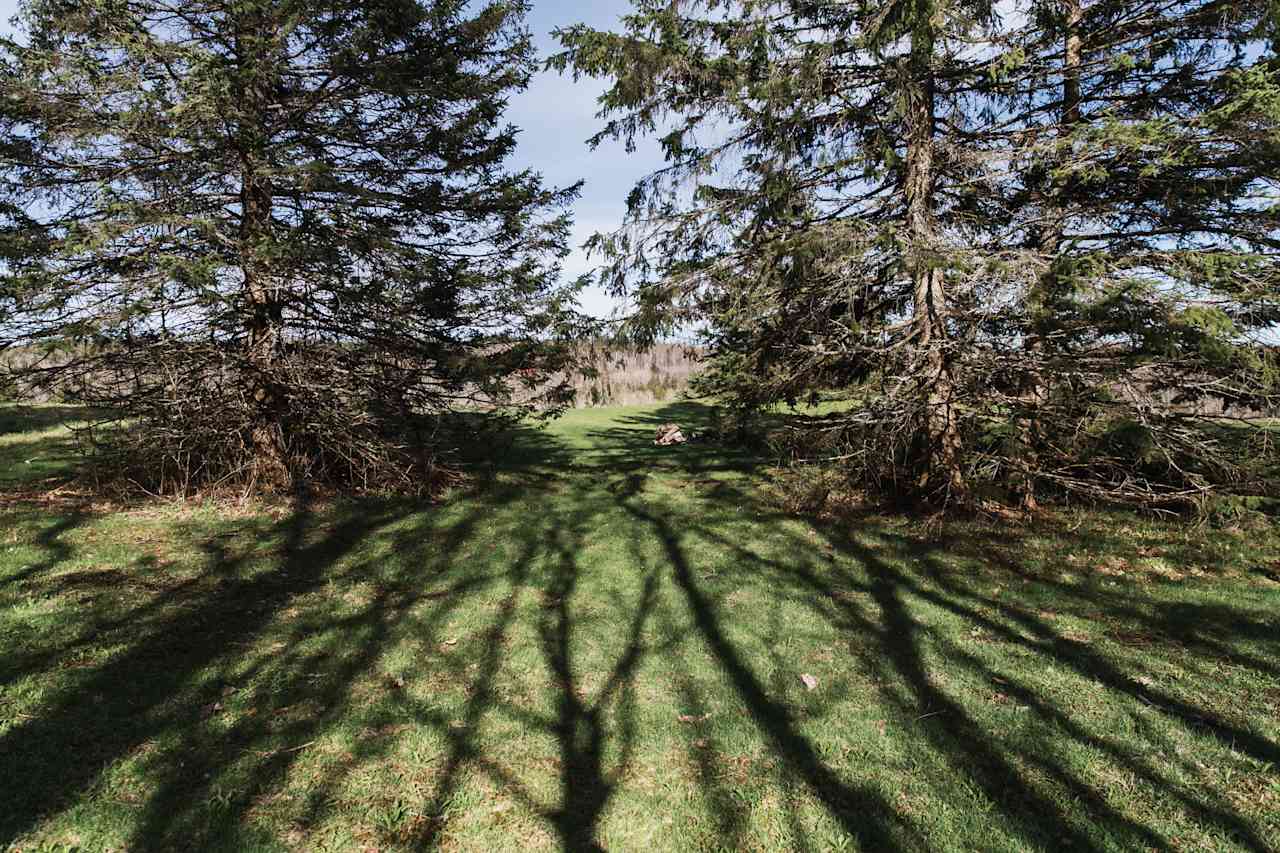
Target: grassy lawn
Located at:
point(602, 646)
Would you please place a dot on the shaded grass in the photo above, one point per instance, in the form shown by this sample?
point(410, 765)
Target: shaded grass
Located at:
point(602, 648)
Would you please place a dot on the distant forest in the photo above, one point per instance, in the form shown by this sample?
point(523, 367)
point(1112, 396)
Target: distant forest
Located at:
point(634, 377)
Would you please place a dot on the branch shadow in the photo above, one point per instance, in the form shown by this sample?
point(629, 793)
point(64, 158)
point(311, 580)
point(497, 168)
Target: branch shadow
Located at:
point(306, 652)
point(863, 813)
point(128, 701)
point(894, 641)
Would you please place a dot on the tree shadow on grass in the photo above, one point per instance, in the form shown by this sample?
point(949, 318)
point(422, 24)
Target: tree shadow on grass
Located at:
point(160, 683)
point(231, 683)
point(585, 721)
point(242, 701)
point(228, 683)
point(863, 813)
point(912, 660)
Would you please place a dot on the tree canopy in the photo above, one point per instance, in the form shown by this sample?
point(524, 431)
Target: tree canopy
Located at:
point(1031, 247)
point(1033, 242)
point(278, 236)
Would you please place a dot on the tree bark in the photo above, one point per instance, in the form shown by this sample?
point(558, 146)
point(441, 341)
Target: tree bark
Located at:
point(941, 477)
point(264, 320)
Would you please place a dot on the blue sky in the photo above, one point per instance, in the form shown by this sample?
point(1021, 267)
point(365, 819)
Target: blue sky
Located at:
point(557, 116)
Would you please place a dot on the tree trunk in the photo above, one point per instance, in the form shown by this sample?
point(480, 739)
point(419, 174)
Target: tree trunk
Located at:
point(941, 477)
point(1045, 294)
point(264, 321)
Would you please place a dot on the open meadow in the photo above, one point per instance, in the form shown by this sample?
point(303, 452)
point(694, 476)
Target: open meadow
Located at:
point(601, 644)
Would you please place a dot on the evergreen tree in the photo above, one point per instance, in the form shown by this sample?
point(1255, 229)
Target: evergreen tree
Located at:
point(277, 236)
point(1026, 242)
point(1147, 150)
point(818, 205)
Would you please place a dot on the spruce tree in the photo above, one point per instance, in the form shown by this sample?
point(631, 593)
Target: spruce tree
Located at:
point(817, 206)
point(277, 238)
point(1147, 157)
point(1036, 246)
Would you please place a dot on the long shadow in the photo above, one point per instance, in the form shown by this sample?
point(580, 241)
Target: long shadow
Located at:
point(130, 700)
point(1085, 662)
point(896, 653)
point(955, 733)
point(185, 654)
point(1186, 626)
point(1031, 811)
point(320, 680)
point(582, 727)
point(462, 734)
point(1180, 624)
point(864, 814)
point(182, 652)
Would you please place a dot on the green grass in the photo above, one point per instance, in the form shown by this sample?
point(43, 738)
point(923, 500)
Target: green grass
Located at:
point(35, 443)
point(602, 646)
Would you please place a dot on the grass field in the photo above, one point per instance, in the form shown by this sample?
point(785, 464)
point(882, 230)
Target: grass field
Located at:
point(606, 645)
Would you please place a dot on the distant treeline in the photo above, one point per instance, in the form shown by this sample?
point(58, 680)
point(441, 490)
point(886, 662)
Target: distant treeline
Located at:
point(632, 377)
point(623, 377)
